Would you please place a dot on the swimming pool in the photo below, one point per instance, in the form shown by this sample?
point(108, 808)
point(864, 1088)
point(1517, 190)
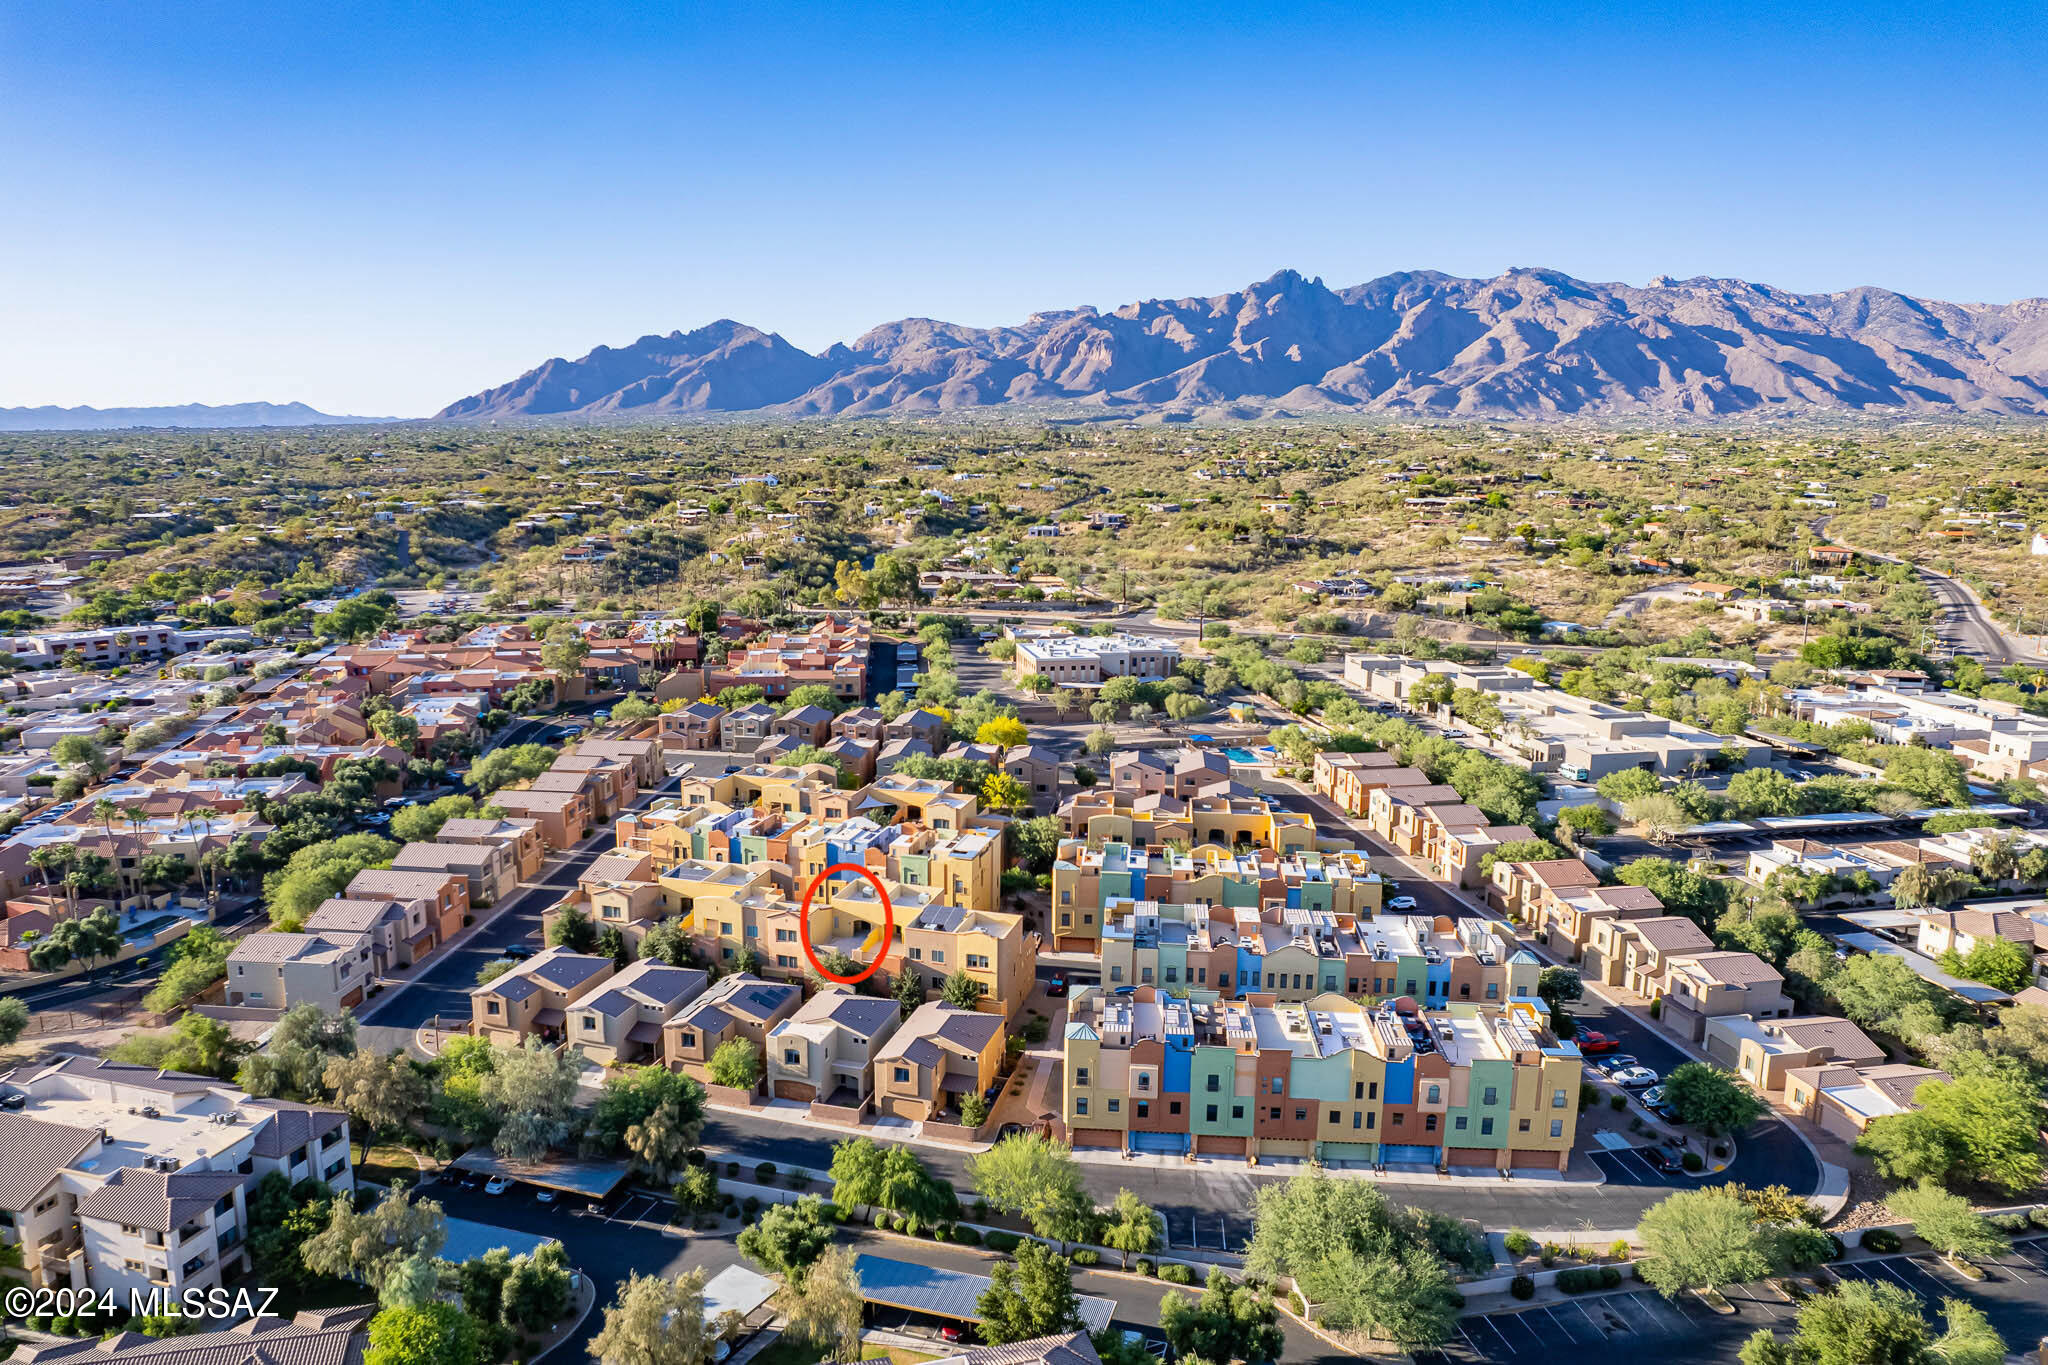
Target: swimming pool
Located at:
point(1242, 756)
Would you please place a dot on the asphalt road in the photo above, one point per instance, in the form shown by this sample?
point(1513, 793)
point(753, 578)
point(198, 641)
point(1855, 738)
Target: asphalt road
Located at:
point(1963, 624)
point(443, 987)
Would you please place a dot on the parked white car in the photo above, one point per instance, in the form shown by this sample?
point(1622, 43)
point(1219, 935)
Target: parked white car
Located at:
point(498, 1184)
point(1633, 1077)
point(1401, 903)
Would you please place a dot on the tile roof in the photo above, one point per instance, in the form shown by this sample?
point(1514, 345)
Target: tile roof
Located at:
point(331, 1336)
point(36, 1150)
point(155, 1200)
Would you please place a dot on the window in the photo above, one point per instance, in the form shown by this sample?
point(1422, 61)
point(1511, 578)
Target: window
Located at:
point(1223, 980)
point(1435, 1093)
point(1273, 1112)
point(1358, 1090)
point(781, 960)
point(1144, 1080)
point(1080, 1075)
point(938, 955)
point(1215, 1083)
point(1080, 1104)
point(1211, 1116)
point(1173, 974)
point(1557, 1128)
point(687, 1039)
point(789, 936)
point(791, 1057)
point(1237, 1111)
point(1525, 1126)
point(1492, 1095)
point(1336, 1116)
point(589, 1023)
point(1411, 986)
point(725, 926)
point(1486, 1127)
point(1144, 974)
point(1493, 990)
point(1371, 1119)
point(1144, 1109)
point(1372, 1090)
point(1357, 1118)
point(1459, 1123)
point(1429, 1123)
point(1278, 1085)
point(1115, 1105)
point(1399, 1120)
point(977, 960)
point(1173, 1107)
point(902, 1075)
point(1557, 1099)
point(1301, 1113)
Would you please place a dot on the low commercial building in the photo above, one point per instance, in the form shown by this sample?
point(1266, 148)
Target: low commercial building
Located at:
point(1087, 661)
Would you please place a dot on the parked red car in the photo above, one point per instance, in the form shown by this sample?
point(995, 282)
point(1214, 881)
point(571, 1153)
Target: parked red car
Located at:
point(1592, 1042)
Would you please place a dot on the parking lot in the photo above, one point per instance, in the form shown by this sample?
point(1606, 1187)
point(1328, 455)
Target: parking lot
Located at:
point(1629, 1166)
point(1198, 1229)
point(1639, 1322)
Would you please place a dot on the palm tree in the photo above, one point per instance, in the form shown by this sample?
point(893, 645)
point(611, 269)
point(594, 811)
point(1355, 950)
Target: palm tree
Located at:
point(52, 858)
point(104, 811)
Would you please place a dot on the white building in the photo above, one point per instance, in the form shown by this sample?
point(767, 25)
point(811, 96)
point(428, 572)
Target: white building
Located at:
point(1089, 660)
point(125, 1177)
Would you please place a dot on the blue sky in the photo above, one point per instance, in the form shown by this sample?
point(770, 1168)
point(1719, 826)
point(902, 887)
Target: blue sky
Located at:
point(380, 208)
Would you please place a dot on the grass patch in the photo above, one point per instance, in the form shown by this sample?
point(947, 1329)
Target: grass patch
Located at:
point(388, 1163)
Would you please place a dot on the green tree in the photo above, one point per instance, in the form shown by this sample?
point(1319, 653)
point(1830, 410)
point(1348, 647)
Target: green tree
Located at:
point(1758, 792)
point(1712, 1098)
point(1981, 1128)
point(14, 1016)
point(530, 1093)
point(1701, 1239)
point(1131, 1226)
point(856, 1173)
point(573, 930)
point(1997, 962)
point(319, 871)
point(514, 763)
point(787, 1238)
point(736, 1064)
point(305, 1039)
point(823, 1307)
point(1935, 776)
point(423, 1334)
point(908, 991)
point(371, 1245)
point(1031, 1296)
point(379, 1091)
point(961, 990)
point(1363, 1264)
point(1037, 1178)
point(1946, 1222)
point(656, 1321)
point(1229, 1322)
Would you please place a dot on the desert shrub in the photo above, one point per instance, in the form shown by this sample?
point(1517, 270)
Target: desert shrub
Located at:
point(1085, 1256)
point(1145, 1267)
point(1695, 1162)
point(1522, 1287)
point(1004, 1242)
point(1518, 1243)
point(1881, 1240)
point(1176, 1274)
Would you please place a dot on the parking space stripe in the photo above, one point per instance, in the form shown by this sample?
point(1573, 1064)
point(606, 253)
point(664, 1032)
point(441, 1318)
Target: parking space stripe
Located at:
point(1885, 1268)
point(1495, 1328)
point(1562, 1326)
point(1599, 1332)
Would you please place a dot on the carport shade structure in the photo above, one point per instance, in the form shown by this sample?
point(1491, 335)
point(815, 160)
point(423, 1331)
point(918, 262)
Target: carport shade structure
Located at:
point(947, 1293)
point(592, 1179)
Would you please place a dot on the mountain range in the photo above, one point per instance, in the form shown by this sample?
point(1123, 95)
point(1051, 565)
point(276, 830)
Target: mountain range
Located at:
point(184, 415)
point(1528, 344)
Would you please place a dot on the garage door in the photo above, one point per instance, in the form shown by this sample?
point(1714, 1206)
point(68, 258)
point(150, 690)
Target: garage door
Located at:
point(1171, 1144)
point(1407, 1154)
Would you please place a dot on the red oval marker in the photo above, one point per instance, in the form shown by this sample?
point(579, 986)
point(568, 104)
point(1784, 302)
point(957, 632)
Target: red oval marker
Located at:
point(803, 923)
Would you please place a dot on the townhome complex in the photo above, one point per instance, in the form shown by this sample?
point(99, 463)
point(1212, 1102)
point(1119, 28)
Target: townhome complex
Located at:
point(1328, 1078)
